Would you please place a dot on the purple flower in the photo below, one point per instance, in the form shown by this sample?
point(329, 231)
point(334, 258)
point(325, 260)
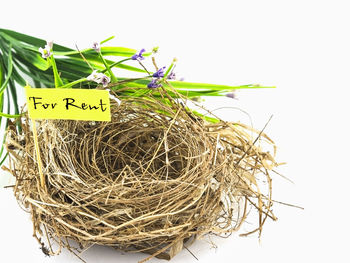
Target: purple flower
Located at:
point(159, 73)
point(105, 80)
point(96, 46)
point(172, 75)
point(154, 84)
point(231, 95)
point(99, 78)
point(139, 55)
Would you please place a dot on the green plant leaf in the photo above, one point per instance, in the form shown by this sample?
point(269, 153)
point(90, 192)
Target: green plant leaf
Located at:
point(34, 76)
point(3, 159)
point(32, 40)
point(106, 51)
point(1, 72)
point(106, 40)
point(9, 70)
point(13, 93)
point(17, 77)
point(205, 86)
point(34, 58)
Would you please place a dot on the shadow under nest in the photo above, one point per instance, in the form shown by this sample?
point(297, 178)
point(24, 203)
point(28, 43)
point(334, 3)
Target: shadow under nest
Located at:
point(152, 179)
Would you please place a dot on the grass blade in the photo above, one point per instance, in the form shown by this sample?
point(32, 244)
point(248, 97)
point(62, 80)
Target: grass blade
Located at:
point(9, 70)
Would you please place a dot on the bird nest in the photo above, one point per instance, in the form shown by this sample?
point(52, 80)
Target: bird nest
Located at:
point(152, 180)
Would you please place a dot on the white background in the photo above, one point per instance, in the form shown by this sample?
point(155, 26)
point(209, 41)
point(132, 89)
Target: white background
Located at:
point(302, 47)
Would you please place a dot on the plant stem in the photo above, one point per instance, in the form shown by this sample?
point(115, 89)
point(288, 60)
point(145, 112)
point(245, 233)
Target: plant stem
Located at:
point(116, 63)
point(169, 69)
point(58, 80)
point(144, 67)
point(113, 77)
point(69, 85)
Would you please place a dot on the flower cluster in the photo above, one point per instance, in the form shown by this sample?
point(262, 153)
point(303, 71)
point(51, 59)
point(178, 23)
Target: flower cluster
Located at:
point(155, 82)
point(160, 73)
point(47, 51)
point(99, 78)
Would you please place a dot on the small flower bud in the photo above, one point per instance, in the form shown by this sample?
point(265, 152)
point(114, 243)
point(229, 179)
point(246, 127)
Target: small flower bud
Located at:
point(96, 46)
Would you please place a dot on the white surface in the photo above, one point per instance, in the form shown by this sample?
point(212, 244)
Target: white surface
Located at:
point(302, 47)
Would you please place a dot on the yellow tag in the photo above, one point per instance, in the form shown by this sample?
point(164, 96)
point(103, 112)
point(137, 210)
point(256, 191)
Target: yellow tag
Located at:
point(68, 104)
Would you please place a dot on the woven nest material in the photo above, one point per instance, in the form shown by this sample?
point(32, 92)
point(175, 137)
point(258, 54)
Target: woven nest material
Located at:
point(152, 179)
